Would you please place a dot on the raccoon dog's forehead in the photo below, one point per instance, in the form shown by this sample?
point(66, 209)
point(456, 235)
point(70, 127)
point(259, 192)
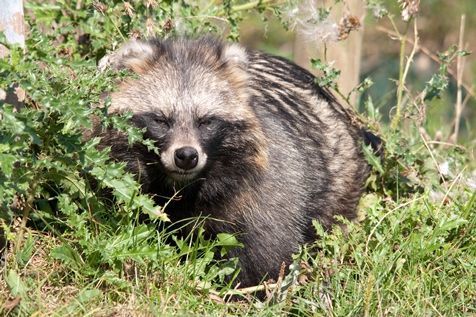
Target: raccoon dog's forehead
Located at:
point(201, 77)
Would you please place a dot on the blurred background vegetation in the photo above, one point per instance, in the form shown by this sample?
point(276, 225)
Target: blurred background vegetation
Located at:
point(439, 26)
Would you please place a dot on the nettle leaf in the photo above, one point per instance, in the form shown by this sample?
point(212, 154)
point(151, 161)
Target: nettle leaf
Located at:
point(76, 219)
point(92, 156)
point(371, 110)
point(329, 75)
point(9, 121)
point(16, 284)
point(77, 305)
point(7, 162)
point(68, 255)
point(449, 222)
point(372, 159)
point(437, 84)
point(132, 242)
point(227, 242)
point(126, 189)
point(75, 116)
point(148, 205)
point(66, 205)
point(24, 255)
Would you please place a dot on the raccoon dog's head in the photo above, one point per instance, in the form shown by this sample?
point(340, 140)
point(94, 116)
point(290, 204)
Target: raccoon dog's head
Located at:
point(191, 98)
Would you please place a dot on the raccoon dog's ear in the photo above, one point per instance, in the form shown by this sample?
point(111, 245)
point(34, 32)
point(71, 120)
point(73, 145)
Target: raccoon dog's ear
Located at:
point(135, 55)
point(235, 55)
point(236, 61)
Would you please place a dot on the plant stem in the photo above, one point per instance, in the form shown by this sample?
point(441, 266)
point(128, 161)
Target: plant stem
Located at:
point(25, 215)
point(433, 57)
point(250, 5)
point(403, 42)
point(459, 79)
point(404, 69)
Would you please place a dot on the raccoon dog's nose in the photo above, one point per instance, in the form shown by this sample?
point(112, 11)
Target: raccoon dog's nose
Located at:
point(186, 157)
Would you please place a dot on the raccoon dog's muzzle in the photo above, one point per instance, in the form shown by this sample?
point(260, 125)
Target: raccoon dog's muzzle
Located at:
point(183, 162)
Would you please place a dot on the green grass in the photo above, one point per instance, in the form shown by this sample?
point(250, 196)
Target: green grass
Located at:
point(416, 257)
point(412, 253)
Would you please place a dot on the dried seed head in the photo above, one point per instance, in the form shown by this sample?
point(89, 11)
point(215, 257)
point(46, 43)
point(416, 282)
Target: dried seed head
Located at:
point(347, 24)
point(168, 26)
point(149, 27)
point(99, 6)
point(151, 4)
point(129, 8)
point(409, 8)
point(312, 21)
point(135, 34)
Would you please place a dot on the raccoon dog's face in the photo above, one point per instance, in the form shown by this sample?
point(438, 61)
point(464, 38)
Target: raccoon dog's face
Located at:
point(191, 99)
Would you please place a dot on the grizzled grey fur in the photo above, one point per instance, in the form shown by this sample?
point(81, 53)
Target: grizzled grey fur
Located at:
point(247, 138)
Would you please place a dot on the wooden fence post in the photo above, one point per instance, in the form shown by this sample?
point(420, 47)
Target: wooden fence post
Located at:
point(11, 23)
point(345, 54)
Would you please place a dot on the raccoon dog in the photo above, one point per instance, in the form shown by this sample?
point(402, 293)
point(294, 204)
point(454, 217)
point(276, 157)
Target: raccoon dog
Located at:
point(247, 138)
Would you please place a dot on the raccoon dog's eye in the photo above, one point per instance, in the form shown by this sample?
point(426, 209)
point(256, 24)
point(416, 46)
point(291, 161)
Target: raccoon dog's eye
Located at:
point(205, 122)
point(163, 121)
